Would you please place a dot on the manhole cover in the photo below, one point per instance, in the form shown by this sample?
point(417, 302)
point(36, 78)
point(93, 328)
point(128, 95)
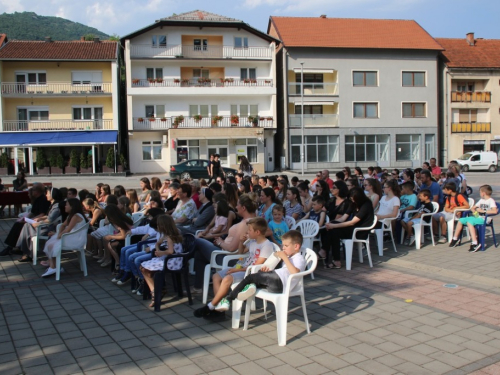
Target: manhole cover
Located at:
point(453, 286)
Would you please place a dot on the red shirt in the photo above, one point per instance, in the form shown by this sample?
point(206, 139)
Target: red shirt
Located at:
point(329, 181)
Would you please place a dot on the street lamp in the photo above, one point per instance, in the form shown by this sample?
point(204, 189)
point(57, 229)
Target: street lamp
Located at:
point(303, 146)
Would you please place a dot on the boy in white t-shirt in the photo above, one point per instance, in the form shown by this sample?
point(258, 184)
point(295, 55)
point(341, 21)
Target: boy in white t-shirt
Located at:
point(273, 280)
point(259, 248)
point(486, 205)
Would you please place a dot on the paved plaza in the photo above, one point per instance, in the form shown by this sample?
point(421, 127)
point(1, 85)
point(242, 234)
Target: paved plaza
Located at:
point(430, 311)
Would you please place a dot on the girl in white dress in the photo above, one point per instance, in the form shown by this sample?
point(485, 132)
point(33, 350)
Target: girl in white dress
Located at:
point(169, 242)
point(73, 222)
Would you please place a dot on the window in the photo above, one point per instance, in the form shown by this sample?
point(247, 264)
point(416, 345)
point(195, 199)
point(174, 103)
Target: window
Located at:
point(38, 115)
point(87, 113)
point(465, 86)
point(430, 148)
point(309, 109)
point(200, 44)
point(321, 148)
point(366, 148)
point(467, 116)
point(364, 78)
point(37, 78)
point(413, 79)
point(188, 149)
point(248, 73)
point(413, 110)
point(408, 147)
point(155, 110)
point(365, 110)
point(240, 42)
point(153, 73)
point(86, 78)
point(151, 150)
point(203, 110)
point(201, 73)
point(159, 41)
point(246, 147)
point(245, 110)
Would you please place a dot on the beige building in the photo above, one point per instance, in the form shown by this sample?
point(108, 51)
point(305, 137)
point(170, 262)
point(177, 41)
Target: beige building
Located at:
point(470, 95)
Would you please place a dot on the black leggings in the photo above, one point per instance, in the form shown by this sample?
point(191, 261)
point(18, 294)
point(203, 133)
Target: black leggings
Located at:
point(269, 280)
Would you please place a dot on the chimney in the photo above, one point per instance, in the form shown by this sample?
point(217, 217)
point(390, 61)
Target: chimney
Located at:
point(48, 39)
point(322, 16)
point(82, 39)
point(470, 38)
point(96, 39)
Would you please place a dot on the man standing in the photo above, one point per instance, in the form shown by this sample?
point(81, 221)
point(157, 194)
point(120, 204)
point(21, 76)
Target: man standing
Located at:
point(433, 186)
point(435, 170)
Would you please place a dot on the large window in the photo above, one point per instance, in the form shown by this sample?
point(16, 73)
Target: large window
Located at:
point(87, 113)
point(245, 110)
point(367, 148)
point(309, 109)
point(411, 110)
point(153, 73)
point(159, 41)
point(465, 86)
point(408, 147)
point(319, 148)
point(250, 73)
point(414, 79)
point(37, 78)
point(364, 78)
point(201, 73)
point(240, 42)
point(37, 115)
point(365, 110)
point(151, 150)
point(246, 147)
point(430, 146)
point(188, 149)
point(204, 110)
point(155, 110)
point(86, 78)
point(200, 44)
point(467, 116)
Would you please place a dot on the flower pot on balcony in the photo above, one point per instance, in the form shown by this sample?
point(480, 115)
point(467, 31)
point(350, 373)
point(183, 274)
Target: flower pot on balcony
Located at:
point(140, 119)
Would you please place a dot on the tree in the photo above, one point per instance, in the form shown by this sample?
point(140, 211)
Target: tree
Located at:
point(41, 158)
point(83, 161)
point(114, 37)
point(74, 160)
point(110, 158)
point(4, 160)
point(89, 37)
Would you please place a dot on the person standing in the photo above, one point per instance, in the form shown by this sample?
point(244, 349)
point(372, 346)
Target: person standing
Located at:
point(216, 167)
point(210, 169)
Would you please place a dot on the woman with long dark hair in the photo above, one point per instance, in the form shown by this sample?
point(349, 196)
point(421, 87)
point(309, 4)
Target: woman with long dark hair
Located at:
point(282, 189)
point(323, 190)
point(122, 223)
point(374, 189)
point(268, 200)
point(145, 190)
point(293, 206)
point(245, 166)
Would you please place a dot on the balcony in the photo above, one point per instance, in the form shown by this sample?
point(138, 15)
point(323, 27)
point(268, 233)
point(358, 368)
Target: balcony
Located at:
point(55, 89)
point(143, 123)
point(22, 126)
point(474, 127)
point(326, 88)
point(314, 120)
point(200, 52)
point(202, 82)
point(471, 97)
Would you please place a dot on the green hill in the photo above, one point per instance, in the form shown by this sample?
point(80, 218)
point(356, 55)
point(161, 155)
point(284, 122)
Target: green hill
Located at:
point(30, 26)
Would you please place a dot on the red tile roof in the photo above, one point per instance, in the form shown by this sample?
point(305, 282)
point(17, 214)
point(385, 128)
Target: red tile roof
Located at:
point(352, 33)
point(58, 50)
point(485, 53)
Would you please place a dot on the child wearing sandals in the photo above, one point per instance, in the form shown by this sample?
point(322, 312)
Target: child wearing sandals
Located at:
point(169, 243)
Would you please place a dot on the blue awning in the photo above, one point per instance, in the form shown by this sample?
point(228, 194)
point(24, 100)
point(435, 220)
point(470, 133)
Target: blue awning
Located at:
point(36, 138)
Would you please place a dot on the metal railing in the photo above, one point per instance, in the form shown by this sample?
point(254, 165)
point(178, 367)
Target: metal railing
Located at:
point(326, 88)
point(55, 88)
point(314, 120)
point(19, 126)
point(144, 123)
point(471, 127)
point(201, 52)
point(202, 82)
point(471, 97)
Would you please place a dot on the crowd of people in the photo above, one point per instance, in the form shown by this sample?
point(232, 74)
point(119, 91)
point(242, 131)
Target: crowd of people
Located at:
point(243, 214)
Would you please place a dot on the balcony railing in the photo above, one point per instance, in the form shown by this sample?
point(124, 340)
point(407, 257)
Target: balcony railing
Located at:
point(20, 126)
point(200, 52)
point(468, 127)
point(326, 88)
point(203, 82)
point(471, 97)
point(144, 123)
point(55, 88)
point(314, 120)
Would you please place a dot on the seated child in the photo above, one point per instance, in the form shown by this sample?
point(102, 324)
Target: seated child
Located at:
point(486, 205)
point(452, 202)
point(278, 226)
point(408, 198)
point(426, 207)
point(317, 213)
point(259, 247)
point(273, 280)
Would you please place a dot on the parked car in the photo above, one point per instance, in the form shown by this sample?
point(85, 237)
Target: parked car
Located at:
point(479, 161)
point(195, 168)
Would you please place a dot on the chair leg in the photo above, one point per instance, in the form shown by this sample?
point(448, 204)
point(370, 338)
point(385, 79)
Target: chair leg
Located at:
point(281, 320)
point(58, 266)
point(178, 279)
point(369, 252)
point(348, 244)
point(237, 305)
point(206, 283)
point(188, 289)
point(247, 313)
point(481, 234)
point(379, 233)
point(34, 241)
point(450, 226)
point(304, 311)
point(360, 252)
point(493, 233)
point(418, 235)
point(432, 235)
point(83, 262)
point(393, 242)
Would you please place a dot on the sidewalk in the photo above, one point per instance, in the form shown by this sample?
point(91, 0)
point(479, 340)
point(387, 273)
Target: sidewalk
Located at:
point(397, 318)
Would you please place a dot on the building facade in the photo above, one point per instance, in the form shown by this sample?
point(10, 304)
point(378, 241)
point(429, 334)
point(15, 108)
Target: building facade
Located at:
point(365, 92)
point(59, 96)
point(197, 84)
point(470, 95)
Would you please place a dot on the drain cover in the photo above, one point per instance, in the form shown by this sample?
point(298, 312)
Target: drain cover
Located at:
point(453, 286)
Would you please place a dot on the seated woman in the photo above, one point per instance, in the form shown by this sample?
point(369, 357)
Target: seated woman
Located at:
point(74, 221)
point(134, 201)
point(145, 190)
point(374, 191)
point(122, 224)
point(363, 217)
point(105, 192)
point(389, 204)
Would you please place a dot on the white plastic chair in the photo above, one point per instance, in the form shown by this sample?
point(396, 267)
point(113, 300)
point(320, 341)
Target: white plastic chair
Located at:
point(36, 238)
point(237, 304)
point(349, 244)
point(280, 300)
point(290, 221)
point(418, 228)
point(73, 241)
point(309, 230)
point(379, 233)
point(136, 216)
point(451, 223)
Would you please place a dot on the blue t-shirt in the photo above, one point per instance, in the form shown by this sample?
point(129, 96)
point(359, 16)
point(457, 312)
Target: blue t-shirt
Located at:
point(278, 229)
point(268, 215)
point(435, 190)
point(408, 200)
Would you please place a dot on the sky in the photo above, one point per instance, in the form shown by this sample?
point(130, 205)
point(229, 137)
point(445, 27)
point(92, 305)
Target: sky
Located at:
point(441, 18)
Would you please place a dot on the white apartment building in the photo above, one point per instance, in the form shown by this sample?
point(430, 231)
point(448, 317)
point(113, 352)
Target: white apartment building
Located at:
point(197, 84)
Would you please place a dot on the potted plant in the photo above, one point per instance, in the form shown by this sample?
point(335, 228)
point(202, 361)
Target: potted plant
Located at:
point(123, 163)
point(41, 162)
point(177, 121)
point(159, 80)
point(185, 82)
point(197, 118)
point(163, 119)
point(84, 163)
point(270, 118)
point(90, 163)
point(152, 119)
point(177, 80)
point(53, 164)
point(216, 120)
point(4, 164)
point(151, 80)
point(109, 166)
point(74, 162)
point(135, 81)
point(254, 120)
point(229, 80)
point(140, 119)
point(235, 120)
point(204, 80)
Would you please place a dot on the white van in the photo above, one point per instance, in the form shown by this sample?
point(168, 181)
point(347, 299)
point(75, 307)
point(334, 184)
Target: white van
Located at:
point(479, 161)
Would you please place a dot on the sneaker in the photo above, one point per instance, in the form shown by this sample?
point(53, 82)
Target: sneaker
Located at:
point(140, 288)
point(223, 305)
point(116, 278)
point(411, 241)
point(247, 292)
point(49, 272)
point(454, 243)
point(202, 312)
point(125, 279)
point(474, 247)
point(406, 241)
point(196, 290)
point(443, 240)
